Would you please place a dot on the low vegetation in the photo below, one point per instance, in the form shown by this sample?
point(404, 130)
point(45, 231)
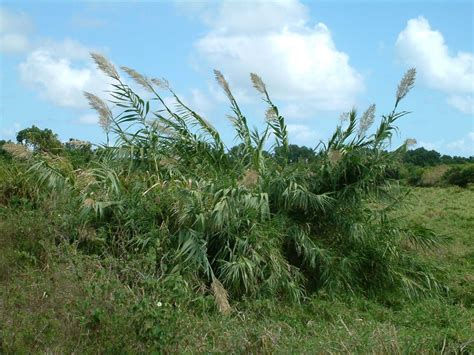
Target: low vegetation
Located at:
point(163, 238)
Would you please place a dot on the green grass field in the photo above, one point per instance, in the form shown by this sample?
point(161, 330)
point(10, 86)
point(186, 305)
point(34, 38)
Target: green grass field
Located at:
point(55, 299)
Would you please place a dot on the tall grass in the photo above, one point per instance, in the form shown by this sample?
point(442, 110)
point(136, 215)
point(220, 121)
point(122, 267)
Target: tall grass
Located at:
point(247, 224)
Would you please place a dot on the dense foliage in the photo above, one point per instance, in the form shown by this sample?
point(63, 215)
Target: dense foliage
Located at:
point(149, 241)
point(241, 222)
point(39, 139)
point(59, 297)
point(460, 176)
point(424, 157)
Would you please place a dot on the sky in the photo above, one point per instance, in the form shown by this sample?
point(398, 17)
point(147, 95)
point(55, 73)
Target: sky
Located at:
point(317, 58)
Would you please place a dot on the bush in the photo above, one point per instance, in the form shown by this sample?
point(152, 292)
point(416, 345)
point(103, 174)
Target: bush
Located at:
point(411, 174)
point(433, 176)
point(240, 223)
point(460, 176)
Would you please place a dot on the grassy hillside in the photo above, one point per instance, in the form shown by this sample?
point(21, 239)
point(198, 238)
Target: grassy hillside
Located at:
point(167, 240)
point(55, 298)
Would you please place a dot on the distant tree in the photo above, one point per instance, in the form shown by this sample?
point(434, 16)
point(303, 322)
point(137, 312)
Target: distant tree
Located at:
point(39, 139)
point(460, 176)
point(296, 153)
point(237, 151)
point(4, 153)
point(422, 157)
point(79, 152)
point(447, 159)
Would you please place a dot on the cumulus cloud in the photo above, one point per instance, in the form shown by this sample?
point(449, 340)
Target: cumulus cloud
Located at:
point(298, 62)
point(60, 72)
point(14, 30)
point(9, 133)
point(13, 43)
point(438, 145)
point(462, 146)
point(200, 103)
point(464, 104)
point(89, 119)
point(253, 17)
point(465, 145)
point(423, 47)
point(302, 134)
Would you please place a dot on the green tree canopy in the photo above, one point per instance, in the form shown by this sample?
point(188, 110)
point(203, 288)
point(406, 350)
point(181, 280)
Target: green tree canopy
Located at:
point(296, 153)
point(422, 157)
point(39, 139)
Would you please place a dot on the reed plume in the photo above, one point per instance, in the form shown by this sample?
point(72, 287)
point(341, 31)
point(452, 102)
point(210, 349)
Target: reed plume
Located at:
point(138, 78)
point(223, 83)
point(105, 115)
point(105, 65)
point(366, 120)
point(406, 84)
point(221, 296)
point(17, 150)
point(258, 83)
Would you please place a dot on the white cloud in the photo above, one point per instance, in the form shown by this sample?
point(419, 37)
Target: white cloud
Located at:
point(14, 29)
point(17, 22)
point(464, 104)
point(196, 101)
point(298, 62)
point(253, 17)
point(200, 103)
point(59, 70)
point(431, 145)
point(89, 119)
point(62, 79)
point(13, 43)
point(420, 46)
point(66, 48)
point(10, 132)
point(464, 145)
point(302, 134)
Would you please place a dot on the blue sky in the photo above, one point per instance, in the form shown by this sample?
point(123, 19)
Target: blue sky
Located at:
point(318, 59)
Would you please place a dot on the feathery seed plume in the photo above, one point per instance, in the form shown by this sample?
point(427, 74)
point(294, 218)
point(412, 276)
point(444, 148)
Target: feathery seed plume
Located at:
point(138, 78)
point(344, 117)
point(334, 156)
point(18, 151)
point(88, 202)
point(161, 83)
point(410, 142)
point(406, 84)
point(168, 162)
point(270, 114)
point(105, 115)
point(367, 119)
point(258, 83)
point(223, 83)
point(250, 178)
point(221, 296)
point(84, 179)
point(76, 143)
point(105, 65)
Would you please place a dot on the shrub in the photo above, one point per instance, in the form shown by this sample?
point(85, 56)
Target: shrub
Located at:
point(460, 176)
point(433, 176)
point(242, 222)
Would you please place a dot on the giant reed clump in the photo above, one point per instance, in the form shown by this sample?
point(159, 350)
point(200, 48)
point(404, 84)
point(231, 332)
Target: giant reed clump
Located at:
point(247, 223)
